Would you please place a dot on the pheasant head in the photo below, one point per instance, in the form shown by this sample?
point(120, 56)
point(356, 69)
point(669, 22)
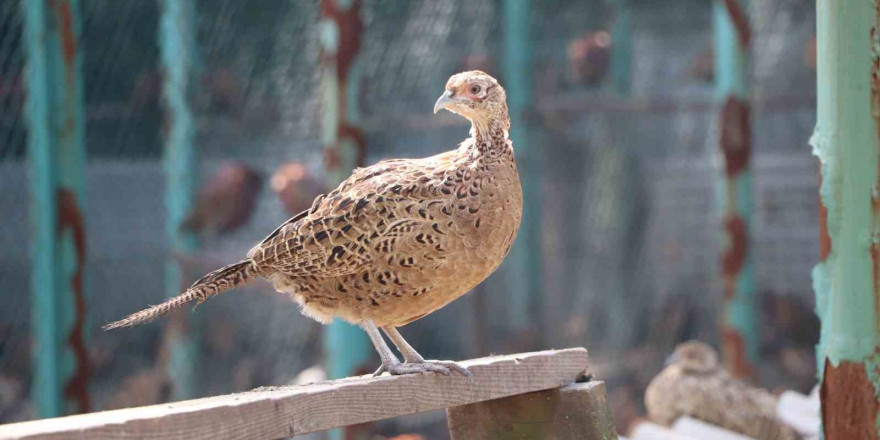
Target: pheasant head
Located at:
point(477, 96)
point(694, 357)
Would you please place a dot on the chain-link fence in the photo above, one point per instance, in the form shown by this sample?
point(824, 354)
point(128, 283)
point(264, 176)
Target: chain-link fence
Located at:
point(631, 231)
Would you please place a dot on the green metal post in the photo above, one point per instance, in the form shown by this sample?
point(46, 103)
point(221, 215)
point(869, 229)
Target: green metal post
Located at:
point(177, 43)
point(56, 147)
point(847, 280)
point(523, 265)
point(739, 322)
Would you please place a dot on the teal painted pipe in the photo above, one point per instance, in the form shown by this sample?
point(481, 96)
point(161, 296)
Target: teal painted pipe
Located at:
point(177, 44)
point(846, 280)
point(739, 321)
point(55, 113)
point(522, 268)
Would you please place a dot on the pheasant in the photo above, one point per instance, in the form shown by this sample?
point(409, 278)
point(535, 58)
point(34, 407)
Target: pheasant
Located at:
point(227, 201)
point(295, 186)
point(694, 384)
point(397, 240)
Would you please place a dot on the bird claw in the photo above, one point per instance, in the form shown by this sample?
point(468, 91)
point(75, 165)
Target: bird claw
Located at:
point(442, 367)
point(451, 366)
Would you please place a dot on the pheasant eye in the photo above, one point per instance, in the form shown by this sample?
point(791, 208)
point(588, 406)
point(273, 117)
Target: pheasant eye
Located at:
point(475, 89)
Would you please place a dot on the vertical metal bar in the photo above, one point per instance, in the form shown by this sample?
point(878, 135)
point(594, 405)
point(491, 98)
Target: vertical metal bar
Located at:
point(847, 280)
point(523, 266)
point(177, 43)
point(739, 326)
point(621, 328)
point(56, 148)
point(621, 40)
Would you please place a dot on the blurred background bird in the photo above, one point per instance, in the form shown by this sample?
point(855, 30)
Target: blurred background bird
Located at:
point(226, 202)
point(702, 67)
point(589, 57)
point(694, 384)
point(296, 186)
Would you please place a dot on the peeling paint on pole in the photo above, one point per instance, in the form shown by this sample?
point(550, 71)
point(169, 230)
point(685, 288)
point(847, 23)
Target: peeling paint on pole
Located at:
point(739, 326)
point(846, 279)
point(344, 143)
point(56, 148)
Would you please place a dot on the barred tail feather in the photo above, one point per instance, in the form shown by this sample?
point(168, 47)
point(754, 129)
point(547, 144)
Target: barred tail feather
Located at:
point(212, 284)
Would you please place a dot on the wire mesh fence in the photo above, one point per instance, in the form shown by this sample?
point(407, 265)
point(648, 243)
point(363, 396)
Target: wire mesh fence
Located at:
point(14, 269)
point(631, 229)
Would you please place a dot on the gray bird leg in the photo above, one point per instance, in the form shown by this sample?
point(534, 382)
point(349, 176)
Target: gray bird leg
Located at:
point(385, 353)
point(411, 356)
point(409, 353)
point(391, 364)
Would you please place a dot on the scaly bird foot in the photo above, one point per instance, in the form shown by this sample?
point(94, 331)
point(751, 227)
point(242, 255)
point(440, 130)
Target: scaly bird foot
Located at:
point(442, 367)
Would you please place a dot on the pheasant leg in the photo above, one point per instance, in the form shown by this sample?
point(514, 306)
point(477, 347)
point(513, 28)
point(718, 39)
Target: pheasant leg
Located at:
point(411, 356)
point(390, 363)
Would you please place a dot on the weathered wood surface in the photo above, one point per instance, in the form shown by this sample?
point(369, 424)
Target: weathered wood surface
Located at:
point(577, 411)
point(287, 411)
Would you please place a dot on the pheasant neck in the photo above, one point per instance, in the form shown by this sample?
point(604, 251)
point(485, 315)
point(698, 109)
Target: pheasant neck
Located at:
point(491, 139)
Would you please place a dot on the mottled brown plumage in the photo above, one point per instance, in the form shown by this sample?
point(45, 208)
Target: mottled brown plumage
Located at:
point(396, 240)
point(694, 384)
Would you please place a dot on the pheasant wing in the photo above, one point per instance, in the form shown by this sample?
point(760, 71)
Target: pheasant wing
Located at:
point(344, 230)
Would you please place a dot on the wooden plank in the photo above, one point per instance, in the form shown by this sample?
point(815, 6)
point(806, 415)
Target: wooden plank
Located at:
point(271, 413)
point(577, 411)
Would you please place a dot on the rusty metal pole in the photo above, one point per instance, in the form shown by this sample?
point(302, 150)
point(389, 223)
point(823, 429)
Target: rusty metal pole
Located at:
point(847, 280)
point(739, 321)
point(56, 147)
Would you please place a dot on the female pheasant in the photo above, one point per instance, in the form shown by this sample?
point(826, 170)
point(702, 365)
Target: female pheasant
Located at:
point(396, 240)
point(694, 384)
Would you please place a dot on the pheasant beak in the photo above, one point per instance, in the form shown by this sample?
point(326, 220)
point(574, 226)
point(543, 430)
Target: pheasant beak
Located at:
point(444, 102)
